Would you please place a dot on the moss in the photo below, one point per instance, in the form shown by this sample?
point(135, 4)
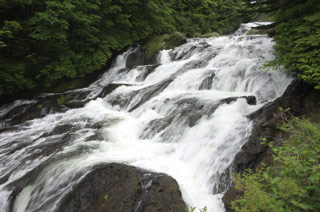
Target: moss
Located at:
point(152, 46)
point(157, 43)
point(60, 100)
point(262, 30)
point(39, 107)
point(174, 40)
point(211, 34)
point(196, 35)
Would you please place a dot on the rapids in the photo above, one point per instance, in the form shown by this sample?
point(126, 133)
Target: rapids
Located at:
point(186, 117)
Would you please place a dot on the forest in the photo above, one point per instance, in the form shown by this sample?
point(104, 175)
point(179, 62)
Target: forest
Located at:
point(45, 42)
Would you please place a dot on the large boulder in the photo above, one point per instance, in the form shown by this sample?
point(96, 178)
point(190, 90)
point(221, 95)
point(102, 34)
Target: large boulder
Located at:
point(138, 58)
point(122, 188)
point(265, 123)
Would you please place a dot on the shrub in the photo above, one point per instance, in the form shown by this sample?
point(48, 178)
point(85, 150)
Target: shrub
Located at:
point(292, 181)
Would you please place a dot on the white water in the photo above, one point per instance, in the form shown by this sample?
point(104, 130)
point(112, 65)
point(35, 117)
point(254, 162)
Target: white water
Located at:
point(182, 129)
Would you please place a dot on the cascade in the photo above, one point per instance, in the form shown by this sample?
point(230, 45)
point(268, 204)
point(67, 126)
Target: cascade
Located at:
point(185, 116)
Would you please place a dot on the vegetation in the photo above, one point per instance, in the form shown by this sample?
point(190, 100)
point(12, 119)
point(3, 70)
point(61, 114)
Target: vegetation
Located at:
point(297, 36)
point(45, 42)
point(193, 209)
point(60, 100)
point(292, 182)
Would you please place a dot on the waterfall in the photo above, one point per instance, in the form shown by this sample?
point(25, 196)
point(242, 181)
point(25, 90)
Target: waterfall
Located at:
point(186, 117)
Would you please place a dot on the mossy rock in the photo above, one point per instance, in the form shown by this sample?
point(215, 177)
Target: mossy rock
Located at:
point(153, 46)
point(211, 34)
point(157, 43)
point(174, 40)
point(196, 35)
point(262, 30)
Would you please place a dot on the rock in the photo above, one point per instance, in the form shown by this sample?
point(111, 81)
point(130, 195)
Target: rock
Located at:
point(207, 82)
point(111, 87)
point(146, 71)
point(209, 35)
point(122, 188)
point(251, 100)
point(230, 196)
point(138, 58)
point(51, 103)
point(264, 125)
point(150, 92)
point(174, 40)
point(135, 59)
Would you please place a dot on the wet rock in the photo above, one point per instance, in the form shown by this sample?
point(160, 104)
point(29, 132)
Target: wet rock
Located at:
point(146, 71)
point(52, 103)
point(138, 58)
point(121, 188)
point(147, 93)
point(207, 82)
point(174, 40)
point(187, 112)
point(135, 59)
point(251, 100)
point(264, 125)
point(111, 87)
point(231, 195)
point(179, 54)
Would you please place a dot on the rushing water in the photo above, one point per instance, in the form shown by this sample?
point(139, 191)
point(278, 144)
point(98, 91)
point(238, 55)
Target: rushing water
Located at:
point(181, 117)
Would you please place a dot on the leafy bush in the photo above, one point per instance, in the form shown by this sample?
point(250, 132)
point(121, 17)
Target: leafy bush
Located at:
point(44, 42)
point(297, 36)
point(292, 182)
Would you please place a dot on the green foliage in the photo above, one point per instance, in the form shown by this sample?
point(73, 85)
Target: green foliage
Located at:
point(174, 40)
point(156, 43)
point(153, 45)
point(39, 107)
point(44, 42)
point(204, 16)
point(193, 209)
point(211, 34)
point(298, 47)
point(291, 183)
point(60, 100)
point(297, 36)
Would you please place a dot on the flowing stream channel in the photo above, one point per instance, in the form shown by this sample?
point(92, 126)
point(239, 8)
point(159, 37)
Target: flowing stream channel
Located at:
point(186, 117)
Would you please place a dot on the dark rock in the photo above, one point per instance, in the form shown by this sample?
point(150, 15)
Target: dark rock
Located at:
point(251, 100)
point(188, 112)
point(174, 40)
point(207, 82)
point(264, 125)
point(231, 195)
point(111, 87)
point(51, 103)
point(146, 71)
point(138, 58)
point(149, 92)
point(135, 59)
point(121, 188)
